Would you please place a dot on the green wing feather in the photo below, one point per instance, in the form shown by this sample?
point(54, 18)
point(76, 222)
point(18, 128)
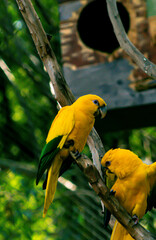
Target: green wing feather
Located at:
point(47, 155)
point(58, 133)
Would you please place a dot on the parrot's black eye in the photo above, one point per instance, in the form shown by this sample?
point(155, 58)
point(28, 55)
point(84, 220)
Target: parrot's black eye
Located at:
point(96, 102)
point(108, 163)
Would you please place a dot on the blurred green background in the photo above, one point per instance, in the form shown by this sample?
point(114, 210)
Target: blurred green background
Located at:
point(26, 112)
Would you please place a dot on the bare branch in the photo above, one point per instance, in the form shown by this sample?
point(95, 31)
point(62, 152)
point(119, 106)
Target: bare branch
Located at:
point(65, 97)
point(94, 178)
point(62, 92)
point(147, 66)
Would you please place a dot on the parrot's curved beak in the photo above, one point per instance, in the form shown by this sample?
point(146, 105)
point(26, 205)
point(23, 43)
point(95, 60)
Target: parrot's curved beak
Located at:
point(103, 111)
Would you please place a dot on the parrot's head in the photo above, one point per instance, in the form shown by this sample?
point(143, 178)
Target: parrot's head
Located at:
point(122, 162)
point(92, 104)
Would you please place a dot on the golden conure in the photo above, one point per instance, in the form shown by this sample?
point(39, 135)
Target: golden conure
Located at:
point(135, 187)
point(68, 132)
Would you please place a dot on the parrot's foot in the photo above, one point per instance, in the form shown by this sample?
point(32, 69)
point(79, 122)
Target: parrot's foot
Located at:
point(76, 154)
point(112, 192)
point(69, 144)
point(135, 219)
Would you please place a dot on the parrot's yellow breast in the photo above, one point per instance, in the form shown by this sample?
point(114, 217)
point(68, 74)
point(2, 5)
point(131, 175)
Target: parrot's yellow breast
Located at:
point(83, 126)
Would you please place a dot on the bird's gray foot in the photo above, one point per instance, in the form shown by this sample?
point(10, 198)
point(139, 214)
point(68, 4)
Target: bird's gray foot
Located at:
point(76, 154)
point(135, 219)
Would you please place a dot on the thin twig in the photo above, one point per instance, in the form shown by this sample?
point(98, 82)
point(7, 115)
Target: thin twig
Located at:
point(147, 66)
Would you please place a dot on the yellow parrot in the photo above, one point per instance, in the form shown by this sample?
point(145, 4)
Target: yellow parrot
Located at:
point(68, 132)
point(135, 187)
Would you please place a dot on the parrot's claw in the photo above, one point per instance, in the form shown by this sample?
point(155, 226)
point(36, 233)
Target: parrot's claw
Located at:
point(112, 192)
point(69, 143)
point(135, 219)
point(76, 154)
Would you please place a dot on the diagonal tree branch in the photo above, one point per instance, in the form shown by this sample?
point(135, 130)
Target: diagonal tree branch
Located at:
point(65, 97)
point(62, 92)
point(147, 66)
point(94, 178)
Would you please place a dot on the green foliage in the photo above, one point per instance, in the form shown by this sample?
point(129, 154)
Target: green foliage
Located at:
point(25, 95)
point(72, 216)
point(21, 209)
point(27, 111)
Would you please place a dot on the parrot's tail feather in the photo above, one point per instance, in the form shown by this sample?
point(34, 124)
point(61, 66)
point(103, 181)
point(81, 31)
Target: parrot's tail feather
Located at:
point(53, 175)
point(119, 232)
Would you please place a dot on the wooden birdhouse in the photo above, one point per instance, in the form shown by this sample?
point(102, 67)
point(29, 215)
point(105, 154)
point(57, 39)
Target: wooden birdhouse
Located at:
point(93, 61)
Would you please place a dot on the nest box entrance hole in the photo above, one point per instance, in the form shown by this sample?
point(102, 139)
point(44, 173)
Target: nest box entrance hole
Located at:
point(95, 28)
